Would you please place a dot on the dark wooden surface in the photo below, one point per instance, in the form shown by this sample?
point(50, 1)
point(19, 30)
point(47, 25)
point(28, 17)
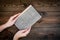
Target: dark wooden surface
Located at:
point(48, 28)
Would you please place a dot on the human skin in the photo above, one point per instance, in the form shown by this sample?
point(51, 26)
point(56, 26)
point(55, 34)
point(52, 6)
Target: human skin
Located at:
point(10, 22)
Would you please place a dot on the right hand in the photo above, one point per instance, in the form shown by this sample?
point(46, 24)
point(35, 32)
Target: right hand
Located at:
point(22, 33)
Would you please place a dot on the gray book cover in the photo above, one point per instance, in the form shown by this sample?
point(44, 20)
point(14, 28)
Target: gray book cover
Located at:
point(27, 18)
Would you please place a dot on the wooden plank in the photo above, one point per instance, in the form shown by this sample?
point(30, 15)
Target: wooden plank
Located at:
point(47, 25)
point(20, 7)
point(11, 8)
point(48, 8)
point(55, 14)
point(8, 14)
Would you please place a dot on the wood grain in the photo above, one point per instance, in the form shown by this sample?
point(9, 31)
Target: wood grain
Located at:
point(48, 28)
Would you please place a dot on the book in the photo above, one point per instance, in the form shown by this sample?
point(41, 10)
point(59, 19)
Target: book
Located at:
point(27, 18)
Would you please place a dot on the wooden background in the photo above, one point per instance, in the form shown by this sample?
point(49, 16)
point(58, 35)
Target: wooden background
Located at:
point(48, 28)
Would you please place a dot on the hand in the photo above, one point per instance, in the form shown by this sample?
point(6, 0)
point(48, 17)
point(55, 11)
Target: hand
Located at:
point(12, 20)
point(21, 33)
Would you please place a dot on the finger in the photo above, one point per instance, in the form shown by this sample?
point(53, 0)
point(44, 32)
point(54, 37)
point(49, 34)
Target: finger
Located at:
point(12, 17)
point(23, 30)
point(16, 17)
point(27, 31)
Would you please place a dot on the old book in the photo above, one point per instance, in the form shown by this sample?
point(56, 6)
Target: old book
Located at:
point(27, 18)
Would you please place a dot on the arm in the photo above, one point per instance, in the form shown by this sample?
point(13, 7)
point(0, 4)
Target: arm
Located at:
point(2, 27)
point(21, 33)
point(10, 22)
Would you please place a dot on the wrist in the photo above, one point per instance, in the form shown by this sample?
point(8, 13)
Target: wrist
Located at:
point(15, 37)
point(5, 25)
point(2, 27)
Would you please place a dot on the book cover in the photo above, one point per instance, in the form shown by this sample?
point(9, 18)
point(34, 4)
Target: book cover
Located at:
point(27, 18)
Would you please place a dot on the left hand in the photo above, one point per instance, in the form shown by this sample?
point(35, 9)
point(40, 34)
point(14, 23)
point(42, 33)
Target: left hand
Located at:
point(12, 20)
